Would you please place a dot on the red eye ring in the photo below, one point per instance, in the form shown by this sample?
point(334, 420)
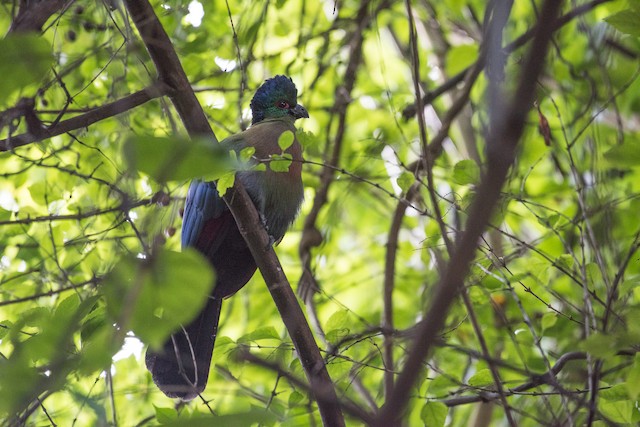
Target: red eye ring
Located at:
point(283, 104)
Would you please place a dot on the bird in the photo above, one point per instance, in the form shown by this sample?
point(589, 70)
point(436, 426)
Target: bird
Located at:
point(180, 368)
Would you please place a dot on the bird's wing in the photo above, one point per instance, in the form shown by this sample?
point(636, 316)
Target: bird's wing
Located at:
point(206, 218)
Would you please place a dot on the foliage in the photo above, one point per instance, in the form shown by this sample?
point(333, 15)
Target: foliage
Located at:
point(548, 328)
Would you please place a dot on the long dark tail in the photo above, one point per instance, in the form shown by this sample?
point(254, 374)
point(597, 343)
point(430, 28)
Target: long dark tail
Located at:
point(181, 368)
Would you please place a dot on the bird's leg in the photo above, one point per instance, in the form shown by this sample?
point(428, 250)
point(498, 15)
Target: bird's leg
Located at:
point(263, 219)
point(272, 240)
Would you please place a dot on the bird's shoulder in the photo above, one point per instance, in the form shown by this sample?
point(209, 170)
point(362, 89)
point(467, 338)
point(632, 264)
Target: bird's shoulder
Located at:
point(270, 128)
point(264, 137)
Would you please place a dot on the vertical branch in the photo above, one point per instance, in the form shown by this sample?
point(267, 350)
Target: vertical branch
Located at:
point(496, 18)
point(502, 139)
point(389, 285)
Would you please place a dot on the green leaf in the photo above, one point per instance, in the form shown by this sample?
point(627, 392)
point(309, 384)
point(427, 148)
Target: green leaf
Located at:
point(460, 57)
point(253, 416)
point(306, 138)
point(153, 296)
point(337, 326)
point(615, 393)
point(294, 398)
point(600, 345)
point(286, 139)
point(245, 154)
point(466, 172)
point(633, 378)
point(165, 415)
point(246, 37)
point(482, 378)
point(626, 21)
point(25, 59)
point(264, 333)
point(626, 154)
point(618, 412)
point(99, 348)
point(565, 261)
point(491, 282)
point(280, 163)
point(177, 159)
point(336, 335)
point(434, 414)
point(405, 181)
point(338, 320)
point(440, 384)
point(225, 182)
point(548, 320)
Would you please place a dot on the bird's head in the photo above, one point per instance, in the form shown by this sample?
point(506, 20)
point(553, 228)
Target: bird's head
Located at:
point(277, 97)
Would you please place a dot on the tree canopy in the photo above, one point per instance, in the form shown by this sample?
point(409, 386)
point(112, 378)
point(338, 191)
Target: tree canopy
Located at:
point(466, 255)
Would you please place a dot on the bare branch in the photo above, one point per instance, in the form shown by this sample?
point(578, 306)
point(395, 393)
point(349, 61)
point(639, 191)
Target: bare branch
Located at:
point(34, 14)
point(90, 117)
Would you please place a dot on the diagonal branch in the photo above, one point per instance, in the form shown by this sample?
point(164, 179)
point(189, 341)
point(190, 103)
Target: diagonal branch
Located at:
point(83, 120)
point(33, 15)
point(171, 72)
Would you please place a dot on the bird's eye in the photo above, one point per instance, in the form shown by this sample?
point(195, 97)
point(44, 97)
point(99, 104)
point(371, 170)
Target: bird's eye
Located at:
point(283, 104)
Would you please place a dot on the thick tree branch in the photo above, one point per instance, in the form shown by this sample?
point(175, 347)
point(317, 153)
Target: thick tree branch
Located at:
point(171, 72)
point(505, 132)
point(34, 14)
point(389, 285)
point(169, 69)
point(124, 207)
point(84, 120)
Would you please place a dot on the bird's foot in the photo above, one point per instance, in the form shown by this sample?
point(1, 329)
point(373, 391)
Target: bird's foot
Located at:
point(263, 220)
point(272, 240)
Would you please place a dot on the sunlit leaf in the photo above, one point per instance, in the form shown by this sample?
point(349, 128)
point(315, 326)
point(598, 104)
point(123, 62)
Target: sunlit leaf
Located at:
point(627, 154)
point(481, 378)
point(626, 21)
point(434, 414)
point(460, 57)
point(286, 140)
point(25, 59)
point(466, 172)
point(280, 163)
point(153, 296)
point(267, 332)
point(177, 159)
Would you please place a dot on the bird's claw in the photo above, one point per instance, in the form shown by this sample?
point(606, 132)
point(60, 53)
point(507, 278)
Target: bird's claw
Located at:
point(272, 240)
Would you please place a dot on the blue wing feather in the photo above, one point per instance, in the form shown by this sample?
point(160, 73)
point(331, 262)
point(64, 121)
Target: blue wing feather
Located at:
point(203, 204)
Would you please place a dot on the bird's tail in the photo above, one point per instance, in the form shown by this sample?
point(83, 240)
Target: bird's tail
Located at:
point(181, 368)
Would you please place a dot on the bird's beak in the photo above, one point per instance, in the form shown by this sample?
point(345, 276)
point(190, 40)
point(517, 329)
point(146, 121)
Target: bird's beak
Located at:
point(299, 112)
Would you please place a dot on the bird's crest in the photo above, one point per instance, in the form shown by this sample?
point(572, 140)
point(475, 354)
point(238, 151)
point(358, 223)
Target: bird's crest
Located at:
point(275, 98)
